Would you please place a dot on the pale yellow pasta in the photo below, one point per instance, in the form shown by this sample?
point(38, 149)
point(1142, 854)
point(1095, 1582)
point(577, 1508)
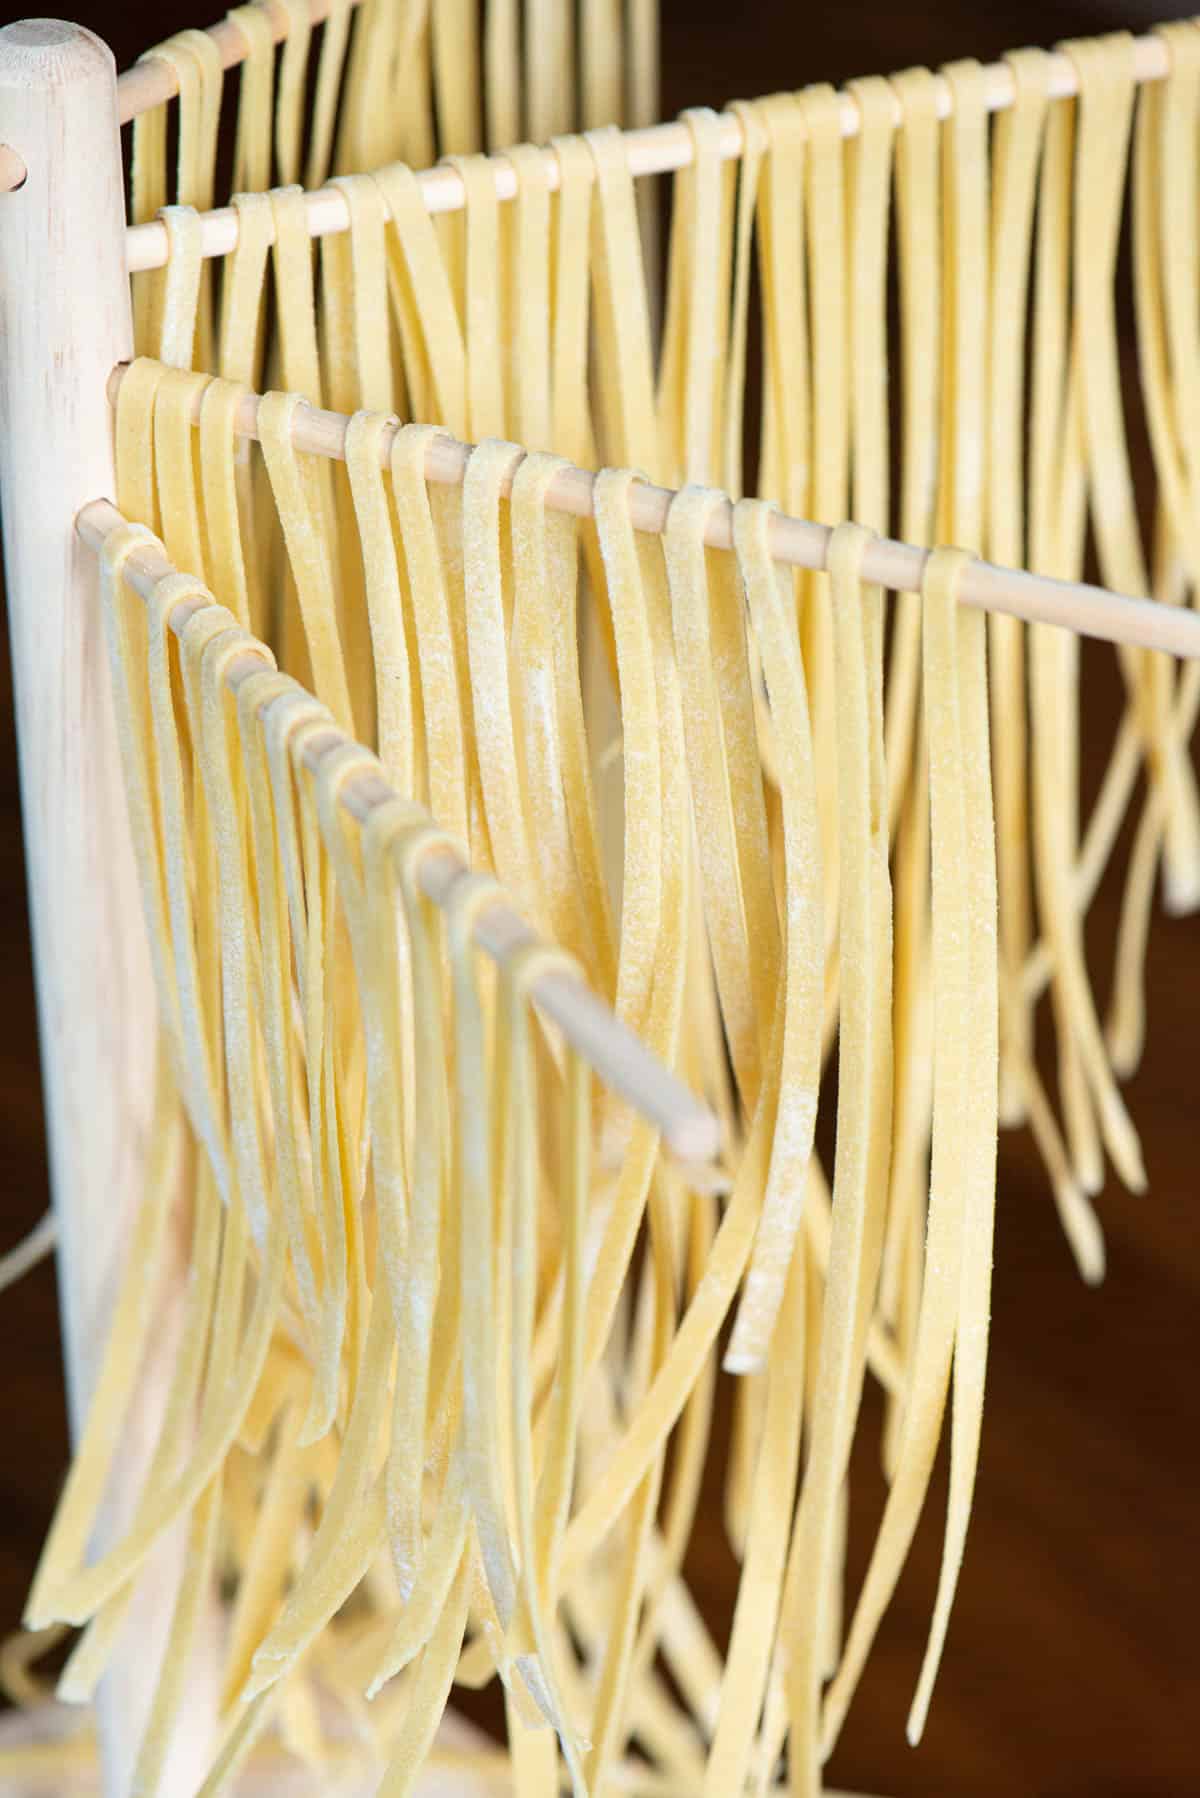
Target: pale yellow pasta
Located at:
point(534, 1532)
point(912, 1095)
point(300, 499)
point(1164, 278)
point(570, 227)
point(625, 569)
point(454, 32)
point(690, 375)
point(727, 905)
point(863, 1135)
point(627, 425)
point(559, 820)
point(1105, 108)
point(181, 296)
point(952, 1165)
point(979, 1171)
point(486, 576)
point(657, 982)
point(441, 645)
point(1056, 489)
point(75, 1516)
point(330, 66)
point(391, 650)
point(528, 269)
point(194, 61)
point(868, 172)
point(394, 839)
point(442, 1388)
point(730, 470)
point(289, 100)
point(240, 348)
point(274, 923)
point(919, 242)
point(828, 488)
point(431, 338)
point(252, 149)
point(357, 356)
point(1016, 147)
point(481, 300)
point(550, 72)
point(785, 465)
point(226, 496)
point(291, 256)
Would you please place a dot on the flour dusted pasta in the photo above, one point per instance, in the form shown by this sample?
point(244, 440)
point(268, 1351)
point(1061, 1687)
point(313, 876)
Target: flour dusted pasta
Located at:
point(457, 1328)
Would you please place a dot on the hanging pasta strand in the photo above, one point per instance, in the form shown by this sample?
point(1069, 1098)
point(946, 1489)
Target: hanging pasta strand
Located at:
point(863, 1134)
point(708, 664)
point(697, 317)
point(1106, 93)
point(868, 174)
point(1057, 498)
point(979, 1173)
point(557, 793)
point(1164, 275)
point(330, 65)
point(256, 91)
point(803, 945)
point(960, 1163)
point(1085, 1078)
point(481, 298)
point(442, 676)
point(427, 318)
point(1016, 150)
point(183, 290)
point(487, 602)
point(195, 65)
point(918, 221)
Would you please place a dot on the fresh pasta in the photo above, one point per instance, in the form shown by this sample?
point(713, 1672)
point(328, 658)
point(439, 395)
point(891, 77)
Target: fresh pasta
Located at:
point(457, 1327)
point(545, 1443)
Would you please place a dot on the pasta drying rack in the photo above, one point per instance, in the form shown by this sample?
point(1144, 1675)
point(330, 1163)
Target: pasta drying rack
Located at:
point(65, 333)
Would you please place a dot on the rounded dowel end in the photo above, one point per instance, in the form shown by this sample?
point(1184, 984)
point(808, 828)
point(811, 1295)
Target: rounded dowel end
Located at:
point(52, 53)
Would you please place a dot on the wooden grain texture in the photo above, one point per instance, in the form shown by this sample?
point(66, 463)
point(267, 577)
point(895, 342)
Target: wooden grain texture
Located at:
point(1073, 1662)
point(63, 310)
point(64, 317)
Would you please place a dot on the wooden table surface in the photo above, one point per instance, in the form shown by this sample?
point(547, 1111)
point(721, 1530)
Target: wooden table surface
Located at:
point(1073, 1663)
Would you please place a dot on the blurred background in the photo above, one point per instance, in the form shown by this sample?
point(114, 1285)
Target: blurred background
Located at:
point(1073, 1664)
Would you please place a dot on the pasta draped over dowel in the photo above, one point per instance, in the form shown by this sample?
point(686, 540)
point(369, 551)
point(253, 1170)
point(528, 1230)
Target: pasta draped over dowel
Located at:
point(456, 1329)
point(996, 216)
point(485, 1338)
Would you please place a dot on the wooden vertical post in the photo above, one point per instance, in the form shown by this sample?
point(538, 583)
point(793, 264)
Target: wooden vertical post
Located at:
point(64, 323)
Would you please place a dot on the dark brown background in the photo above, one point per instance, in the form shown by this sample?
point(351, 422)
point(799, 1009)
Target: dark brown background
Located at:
point(1073, 1657)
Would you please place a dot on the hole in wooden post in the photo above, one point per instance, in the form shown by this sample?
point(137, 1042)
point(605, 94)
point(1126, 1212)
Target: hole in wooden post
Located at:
point(13, 173)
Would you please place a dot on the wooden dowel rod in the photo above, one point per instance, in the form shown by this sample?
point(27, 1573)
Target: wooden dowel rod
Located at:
point(688, 1128)
point(1037, 598)
point(151, 82)
point(652, 150)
